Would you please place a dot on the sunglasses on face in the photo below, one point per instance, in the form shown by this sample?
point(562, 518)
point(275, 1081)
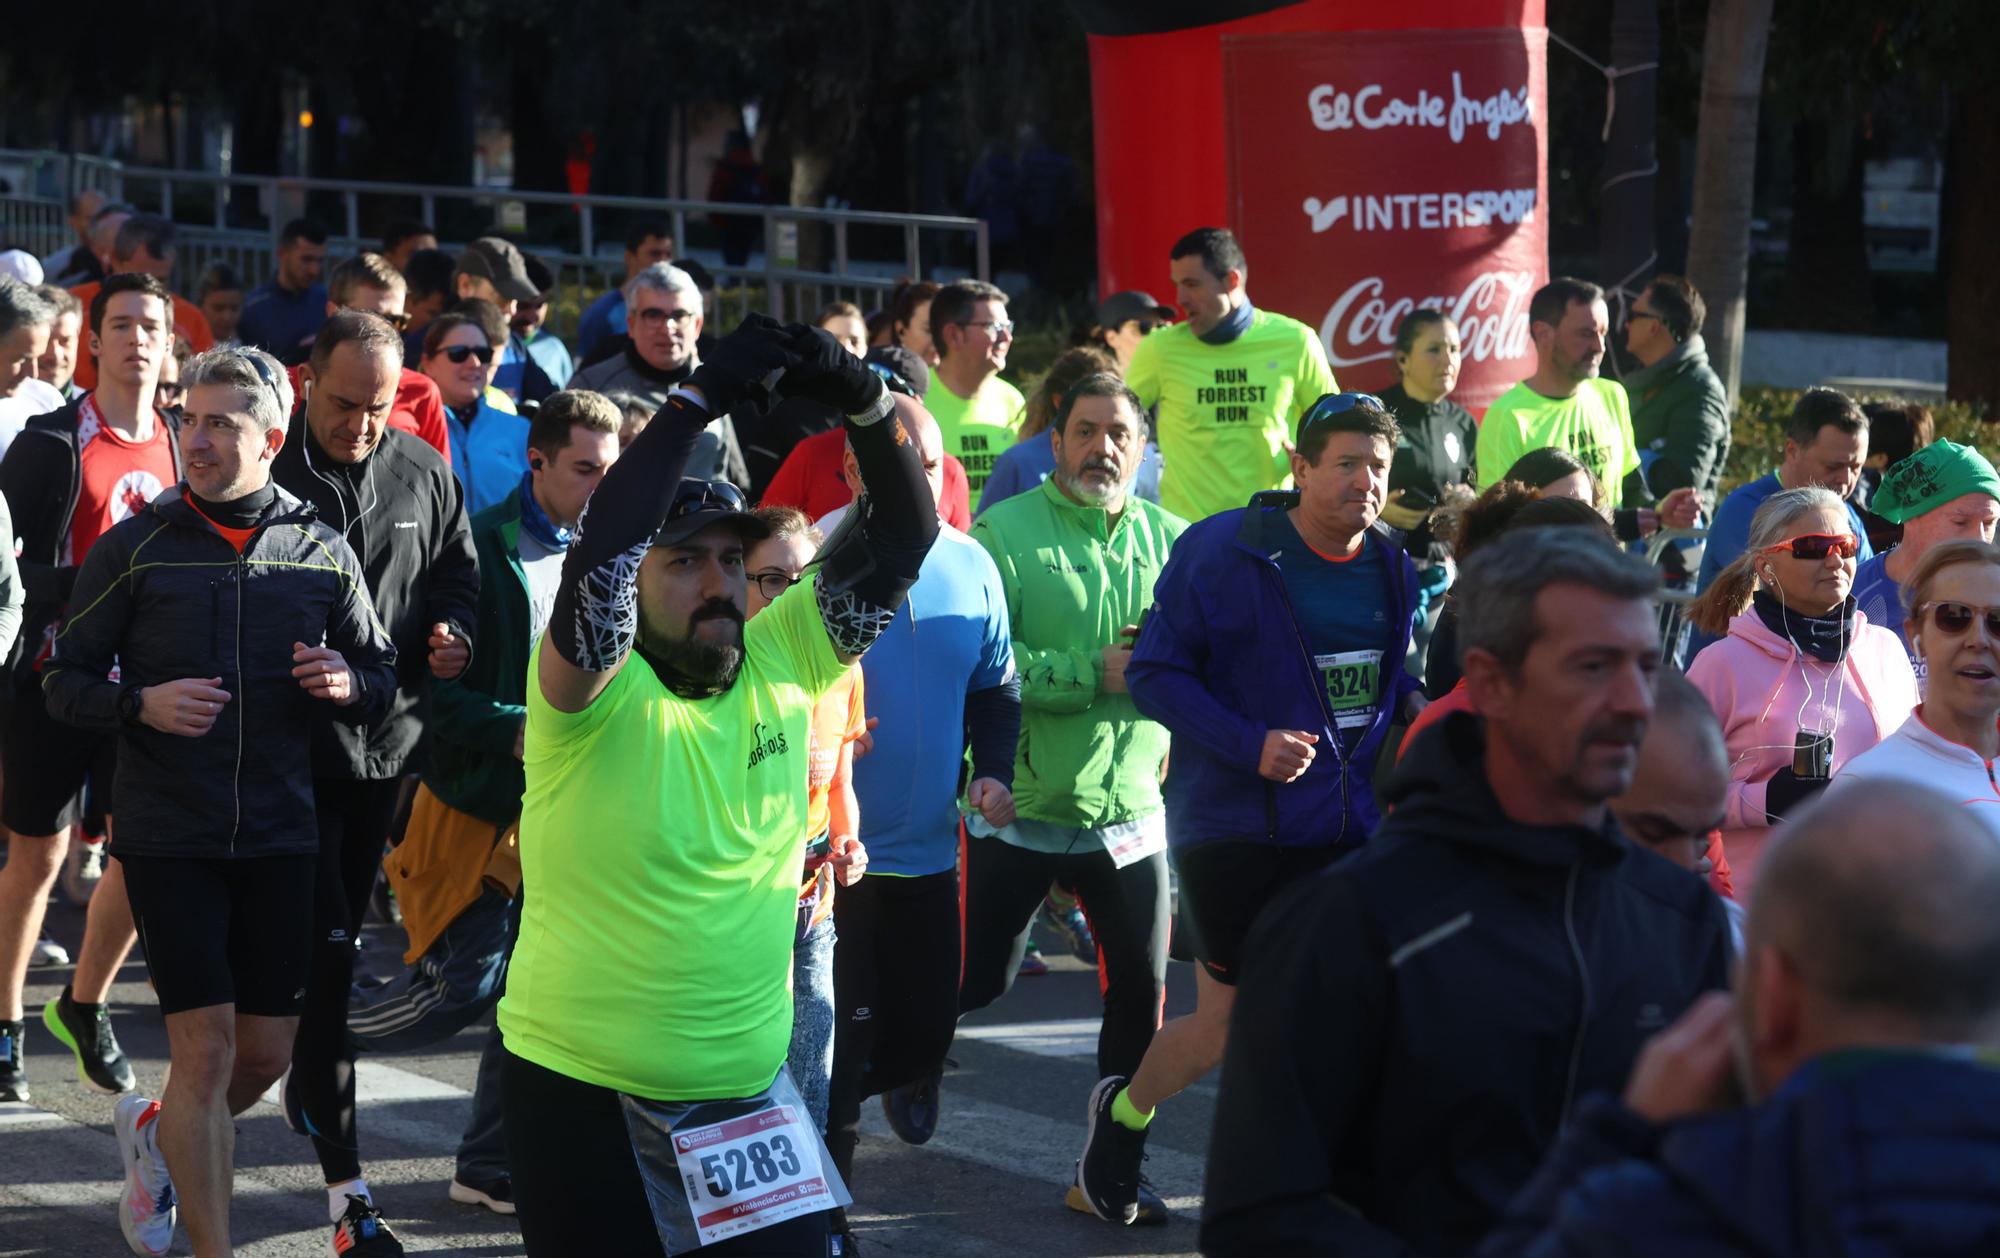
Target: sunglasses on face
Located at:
point(1818, 545)
point(457, 354)
point(1956, 619)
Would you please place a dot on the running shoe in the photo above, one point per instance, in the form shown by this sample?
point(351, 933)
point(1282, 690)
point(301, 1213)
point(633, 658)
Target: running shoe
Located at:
point(48, 952)
point(83, 869)
point(1074, 927)
point(361, 1233)
point(496, 1195)
point(842, 1244)
point(1108, 1171)
point(912, 1109)
point(1033, 963)
point(1153, 1212)
point(146, 1212)
point(100, 1063)
point(13, 1067)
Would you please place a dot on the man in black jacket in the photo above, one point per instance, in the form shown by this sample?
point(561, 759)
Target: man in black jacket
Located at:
point(243, 613)
point(397, 504)
point(1420, 1019)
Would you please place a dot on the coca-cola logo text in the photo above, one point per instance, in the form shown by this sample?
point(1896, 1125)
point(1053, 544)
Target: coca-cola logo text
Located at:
point(1491, 313)
point(1335, 110)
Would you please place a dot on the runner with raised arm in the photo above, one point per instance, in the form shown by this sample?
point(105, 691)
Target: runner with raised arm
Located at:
point(665, 818)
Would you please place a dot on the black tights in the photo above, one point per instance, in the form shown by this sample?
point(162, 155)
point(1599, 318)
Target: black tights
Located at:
point(354, 820)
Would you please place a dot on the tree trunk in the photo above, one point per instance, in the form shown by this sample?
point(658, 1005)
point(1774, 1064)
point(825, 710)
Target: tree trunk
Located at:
point(1827, 278)
point(1971, 258)
point(1725, 174)
point(1627, 253)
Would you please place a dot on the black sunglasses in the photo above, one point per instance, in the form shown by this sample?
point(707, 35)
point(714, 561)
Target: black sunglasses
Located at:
point(459, 353)
point(706, 495)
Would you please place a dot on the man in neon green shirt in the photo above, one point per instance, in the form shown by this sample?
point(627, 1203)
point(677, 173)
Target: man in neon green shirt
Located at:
point(976, 410)
point(1230, 383)
point(664, 819)
point(1565, 404)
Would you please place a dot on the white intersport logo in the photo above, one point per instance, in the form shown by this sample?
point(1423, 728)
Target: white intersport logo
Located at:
point(1423, 211)
point(1491, 313)
point(1335, 110)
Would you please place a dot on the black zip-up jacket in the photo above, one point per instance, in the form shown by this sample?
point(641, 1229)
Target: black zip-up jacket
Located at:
point(402, 512)
point(42, 477)
point(1414, 1025)
point(163, 596)
point(1435, 453)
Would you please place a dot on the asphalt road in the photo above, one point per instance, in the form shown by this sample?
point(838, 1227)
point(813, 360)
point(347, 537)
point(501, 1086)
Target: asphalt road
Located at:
point(990, 1182)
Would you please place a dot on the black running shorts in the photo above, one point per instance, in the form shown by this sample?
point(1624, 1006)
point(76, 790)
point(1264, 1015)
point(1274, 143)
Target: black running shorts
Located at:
point(1225, 883)
point(47, 765)
point(225, 932)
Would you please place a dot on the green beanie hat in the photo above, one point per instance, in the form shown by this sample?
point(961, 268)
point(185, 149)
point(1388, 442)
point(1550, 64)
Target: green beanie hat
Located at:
point(1933, 476)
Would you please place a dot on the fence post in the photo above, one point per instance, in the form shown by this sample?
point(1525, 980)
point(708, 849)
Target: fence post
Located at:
point(771, 298)
point(912, 251)
point(167, 199)
point(430, 211)
point(352, 204)
point(985, 269)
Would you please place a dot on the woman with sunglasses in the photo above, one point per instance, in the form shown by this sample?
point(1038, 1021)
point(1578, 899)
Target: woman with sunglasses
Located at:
point(1953, 738)
point(1800, 680)
point(489, 447)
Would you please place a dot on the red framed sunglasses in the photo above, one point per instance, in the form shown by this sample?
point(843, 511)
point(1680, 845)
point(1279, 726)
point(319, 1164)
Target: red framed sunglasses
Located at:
point(1818, 545)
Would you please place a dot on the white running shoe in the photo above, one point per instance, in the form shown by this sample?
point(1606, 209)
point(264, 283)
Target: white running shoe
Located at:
point(48, 952)
point(83, 869)
point(146, 1213)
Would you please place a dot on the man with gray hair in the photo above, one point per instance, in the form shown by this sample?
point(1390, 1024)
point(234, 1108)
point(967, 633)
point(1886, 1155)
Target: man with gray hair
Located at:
point(1416, 1024)
point(26, 321)
point(245, 614)
point(663, 309)
point(1860, 1033)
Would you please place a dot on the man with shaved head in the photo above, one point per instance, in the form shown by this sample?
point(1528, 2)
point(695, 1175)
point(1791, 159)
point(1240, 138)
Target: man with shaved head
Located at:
point(1861, 1031)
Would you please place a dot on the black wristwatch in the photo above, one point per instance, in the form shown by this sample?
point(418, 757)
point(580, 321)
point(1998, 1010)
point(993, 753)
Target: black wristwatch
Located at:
point(130, 701)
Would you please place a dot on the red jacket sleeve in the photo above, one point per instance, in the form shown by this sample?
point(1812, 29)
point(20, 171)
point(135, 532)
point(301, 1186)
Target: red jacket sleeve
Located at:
point(420, 411)
point(957, 505)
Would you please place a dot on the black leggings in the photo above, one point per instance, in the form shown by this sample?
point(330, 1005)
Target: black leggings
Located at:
point(354, 819)
point(1127, 909)
point(577, 1185)
point(895, 993)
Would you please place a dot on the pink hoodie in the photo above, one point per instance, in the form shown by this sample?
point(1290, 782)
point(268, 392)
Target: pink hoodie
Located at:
point(1764, 690)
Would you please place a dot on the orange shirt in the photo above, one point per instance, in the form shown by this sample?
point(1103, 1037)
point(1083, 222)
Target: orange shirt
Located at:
point(838, 719)
point(189, 325)
point(239, 538)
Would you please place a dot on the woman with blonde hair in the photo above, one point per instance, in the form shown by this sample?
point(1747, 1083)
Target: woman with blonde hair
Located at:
point(1800, 680)
point(1952, 738)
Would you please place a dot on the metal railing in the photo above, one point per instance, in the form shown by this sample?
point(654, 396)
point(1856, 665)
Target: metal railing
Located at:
point(808, 256)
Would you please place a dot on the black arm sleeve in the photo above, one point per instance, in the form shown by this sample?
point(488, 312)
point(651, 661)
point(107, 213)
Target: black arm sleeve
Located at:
point(872, 560)
point(596, 615)
point(992, 727)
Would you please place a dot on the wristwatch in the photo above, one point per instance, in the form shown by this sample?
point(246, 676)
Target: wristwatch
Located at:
point(130, 701)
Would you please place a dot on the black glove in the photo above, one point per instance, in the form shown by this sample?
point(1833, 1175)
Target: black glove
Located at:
point(1787, 790)
point(830, 375)
point(743, 363)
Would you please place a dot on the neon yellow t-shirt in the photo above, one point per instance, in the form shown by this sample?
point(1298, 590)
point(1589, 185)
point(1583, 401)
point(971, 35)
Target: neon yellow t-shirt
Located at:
point(1594, 424)
point(661, 840)
point(979, 429)
point(1227, 412)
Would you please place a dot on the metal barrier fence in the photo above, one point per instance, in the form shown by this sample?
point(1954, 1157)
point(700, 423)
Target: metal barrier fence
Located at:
point(808, 257)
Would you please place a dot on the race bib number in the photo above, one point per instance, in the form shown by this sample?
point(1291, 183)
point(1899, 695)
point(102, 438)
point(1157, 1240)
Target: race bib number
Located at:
point(1353, 686)
point(723, 1168)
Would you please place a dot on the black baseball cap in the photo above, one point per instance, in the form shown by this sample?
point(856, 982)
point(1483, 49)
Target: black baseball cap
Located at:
point(905, 363)
point(701, 503)
point(1114, 310)
point(498, 262)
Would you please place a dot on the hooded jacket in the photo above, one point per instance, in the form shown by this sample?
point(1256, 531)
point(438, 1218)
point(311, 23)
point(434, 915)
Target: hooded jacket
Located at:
point(1862, 1153)
point(401, 511)
point(42, 477)
point(1222, 660)
point(1680, 420)
point(1434, 453)
point(1415, 1025)
point(162, 597)
point(1764, 690)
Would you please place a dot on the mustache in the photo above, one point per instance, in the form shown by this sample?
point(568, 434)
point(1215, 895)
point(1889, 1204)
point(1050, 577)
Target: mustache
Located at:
point(1098, 463)
point(1616, 729)
point(716, 609)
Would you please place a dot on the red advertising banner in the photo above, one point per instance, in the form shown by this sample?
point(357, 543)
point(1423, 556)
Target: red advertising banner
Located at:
point(1372, 173)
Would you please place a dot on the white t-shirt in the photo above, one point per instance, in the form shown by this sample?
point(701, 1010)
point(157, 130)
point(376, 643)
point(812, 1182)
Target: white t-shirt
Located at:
point(32, 398)
point(1920, 755)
